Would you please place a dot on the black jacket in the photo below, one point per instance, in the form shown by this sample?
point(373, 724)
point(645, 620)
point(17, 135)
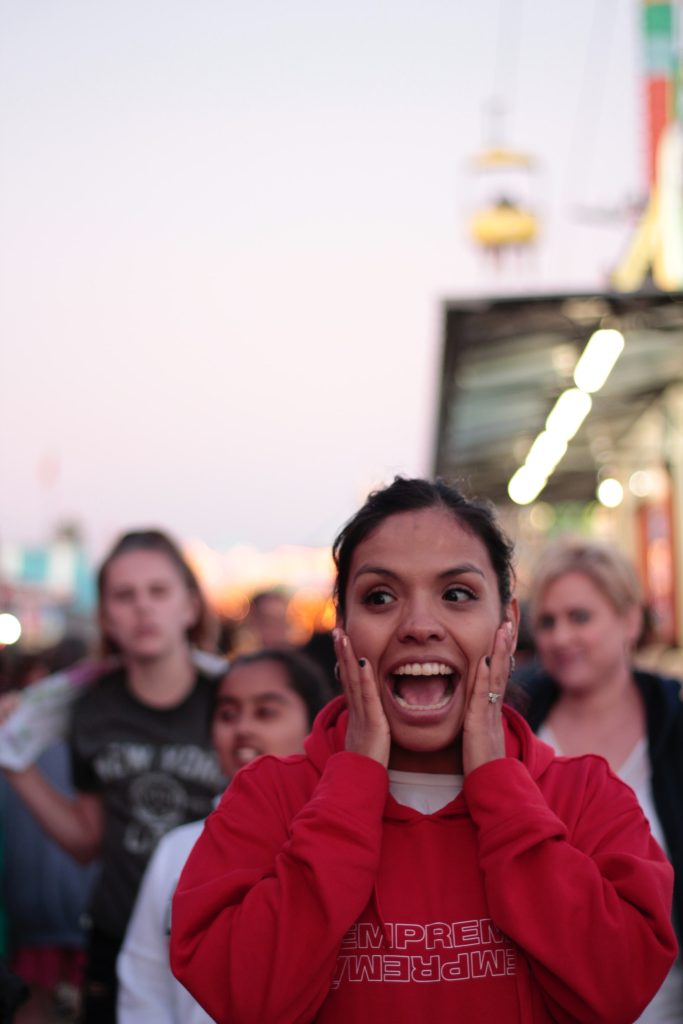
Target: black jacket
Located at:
point(663, 699)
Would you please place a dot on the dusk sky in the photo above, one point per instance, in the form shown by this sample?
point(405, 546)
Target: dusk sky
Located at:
point(226, 231)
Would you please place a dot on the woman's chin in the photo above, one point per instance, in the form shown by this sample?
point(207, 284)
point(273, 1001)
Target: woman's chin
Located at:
point(424, 737)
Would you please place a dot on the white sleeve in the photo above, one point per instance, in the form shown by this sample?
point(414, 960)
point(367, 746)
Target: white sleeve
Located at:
point(146, 985)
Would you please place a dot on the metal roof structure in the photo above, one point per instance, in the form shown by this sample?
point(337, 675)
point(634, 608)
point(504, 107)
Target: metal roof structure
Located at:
point(505, 361)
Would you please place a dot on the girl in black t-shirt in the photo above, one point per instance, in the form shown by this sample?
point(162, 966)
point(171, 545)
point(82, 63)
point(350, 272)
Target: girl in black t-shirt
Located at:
point(140, 742)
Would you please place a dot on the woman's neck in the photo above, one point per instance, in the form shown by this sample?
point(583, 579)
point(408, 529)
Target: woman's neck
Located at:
point(161, 682)
point(437, 762)
point(599, 701)
point(608, 719)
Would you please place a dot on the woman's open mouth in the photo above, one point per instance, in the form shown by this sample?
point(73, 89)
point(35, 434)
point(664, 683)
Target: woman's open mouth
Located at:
point(423, 686)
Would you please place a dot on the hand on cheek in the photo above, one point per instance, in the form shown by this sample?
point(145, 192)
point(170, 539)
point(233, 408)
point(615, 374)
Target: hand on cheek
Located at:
point(368, 729)
point(483, 735)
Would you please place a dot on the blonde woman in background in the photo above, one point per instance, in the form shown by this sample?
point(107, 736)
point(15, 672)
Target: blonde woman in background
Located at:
point(586, 616)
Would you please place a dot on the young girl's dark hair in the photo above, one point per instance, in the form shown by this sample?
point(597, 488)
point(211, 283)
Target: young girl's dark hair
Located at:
point(305, 678)
point(411, 495)
point(201, 633)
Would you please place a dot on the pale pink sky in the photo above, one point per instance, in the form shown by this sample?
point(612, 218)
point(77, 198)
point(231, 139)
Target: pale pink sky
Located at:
point(226, 230)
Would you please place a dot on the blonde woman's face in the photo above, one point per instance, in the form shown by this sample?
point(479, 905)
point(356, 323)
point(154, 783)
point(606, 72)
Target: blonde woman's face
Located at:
point(581, 639)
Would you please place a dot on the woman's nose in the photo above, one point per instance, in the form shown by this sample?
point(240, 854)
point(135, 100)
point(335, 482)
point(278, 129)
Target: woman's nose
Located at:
point(560, 633)
point(244, 727)
point(420, 624)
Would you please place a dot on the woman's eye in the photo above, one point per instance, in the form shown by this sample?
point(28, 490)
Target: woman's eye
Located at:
point(458, 594)
point(378, 598)
point(227, 717)
point(580, 615)
point(265, 713)
point(545, 622)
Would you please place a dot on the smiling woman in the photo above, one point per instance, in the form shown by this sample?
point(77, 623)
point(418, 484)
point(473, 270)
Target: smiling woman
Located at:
point(426, 837)
point(587, 696)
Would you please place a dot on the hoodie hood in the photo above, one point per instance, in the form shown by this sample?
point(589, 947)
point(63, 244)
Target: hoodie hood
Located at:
point(329, 733)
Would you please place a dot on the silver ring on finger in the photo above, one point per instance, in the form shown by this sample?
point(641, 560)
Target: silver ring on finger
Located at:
point(493, 698)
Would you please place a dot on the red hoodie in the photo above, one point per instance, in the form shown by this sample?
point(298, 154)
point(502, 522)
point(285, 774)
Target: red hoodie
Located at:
point(312, 895)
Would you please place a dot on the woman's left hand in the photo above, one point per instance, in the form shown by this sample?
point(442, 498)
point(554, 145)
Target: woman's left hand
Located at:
point(483, 737)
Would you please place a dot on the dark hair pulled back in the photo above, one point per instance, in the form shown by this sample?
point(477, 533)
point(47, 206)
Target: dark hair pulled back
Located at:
point(411, 495)
point(304, 676)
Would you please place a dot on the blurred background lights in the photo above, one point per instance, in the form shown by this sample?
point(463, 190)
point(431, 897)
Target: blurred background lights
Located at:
point(610, 492)
point(564, 419)
point(568, 413)
point(545, 453)
point(641, 483)
point(525, 485)
point(542, 516)
point(597, 359)
point(10, 629)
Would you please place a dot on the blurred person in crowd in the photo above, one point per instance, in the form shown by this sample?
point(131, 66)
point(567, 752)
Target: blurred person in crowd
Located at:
point(45, 892)
point(586, 697)
point(267, 624)
point(140, 743)
point(428, 858)
point(264, 705)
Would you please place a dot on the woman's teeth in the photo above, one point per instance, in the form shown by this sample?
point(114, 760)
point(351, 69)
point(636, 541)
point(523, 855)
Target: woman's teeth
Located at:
point(246, 754)
point(426, 668)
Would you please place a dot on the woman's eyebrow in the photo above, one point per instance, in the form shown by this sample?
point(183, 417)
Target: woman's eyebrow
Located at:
point(278, 698)
point(375, 570)
point(455, 570)
point(460, 570)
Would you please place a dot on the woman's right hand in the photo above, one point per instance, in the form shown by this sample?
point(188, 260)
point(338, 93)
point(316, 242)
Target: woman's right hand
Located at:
point(368, 729)
point(9, 702)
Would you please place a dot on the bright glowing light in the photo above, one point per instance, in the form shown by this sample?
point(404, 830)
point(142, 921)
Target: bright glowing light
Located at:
point(525, 485)
point(568, 413)
point(597, 359)
point(10, 629)
point(545, 453)
point(610, 493)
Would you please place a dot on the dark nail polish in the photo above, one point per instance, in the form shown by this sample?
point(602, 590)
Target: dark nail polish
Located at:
point(487, 659)
point(362, 662)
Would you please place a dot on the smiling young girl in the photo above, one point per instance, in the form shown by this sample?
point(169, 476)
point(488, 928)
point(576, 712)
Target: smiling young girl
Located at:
point(428, 858)
point(264, 705)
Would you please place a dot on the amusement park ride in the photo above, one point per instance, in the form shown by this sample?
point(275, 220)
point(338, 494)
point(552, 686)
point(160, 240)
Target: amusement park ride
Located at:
point(507, 221)
point(509, 360)
point(656, 249)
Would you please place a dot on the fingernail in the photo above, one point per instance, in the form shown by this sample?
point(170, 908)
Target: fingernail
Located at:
point(487, 659)
point(362, 662)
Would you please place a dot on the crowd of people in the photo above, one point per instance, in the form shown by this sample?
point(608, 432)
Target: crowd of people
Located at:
point(403, 827)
